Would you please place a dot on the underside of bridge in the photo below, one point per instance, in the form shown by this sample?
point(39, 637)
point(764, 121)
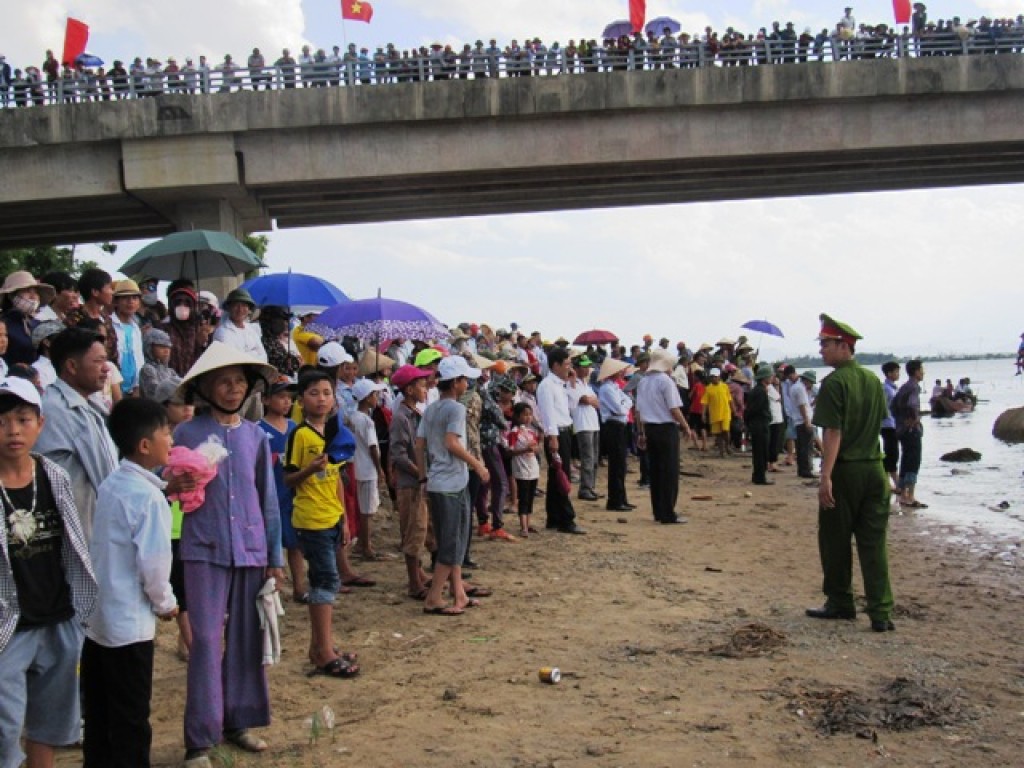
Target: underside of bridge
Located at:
point(249, 161)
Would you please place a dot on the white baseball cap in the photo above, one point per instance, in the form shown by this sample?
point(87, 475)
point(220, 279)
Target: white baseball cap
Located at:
point(332, 354)
point(209, 297)
point(23, 389)
point(715, 372)
point(454, 367)
point(364, 387)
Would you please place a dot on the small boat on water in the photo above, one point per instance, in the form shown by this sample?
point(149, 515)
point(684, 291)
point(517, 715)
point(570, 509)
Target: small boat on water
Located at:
point(944, 407)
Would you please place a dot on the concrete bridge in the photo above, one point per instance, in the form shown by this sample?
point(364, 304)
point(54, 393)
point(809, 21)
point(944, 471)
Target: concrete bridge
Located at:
point(243, 162)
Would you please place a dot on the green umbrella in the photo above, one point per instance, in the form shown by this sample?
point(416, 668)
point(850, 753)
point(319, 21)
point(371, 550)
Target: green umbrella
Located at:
point(196, 254)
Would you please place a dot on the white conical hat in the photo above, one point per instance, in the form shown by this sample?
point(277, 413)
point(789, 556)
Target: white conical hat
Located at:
point(610, 367)
point(373, 361)
point(221, 355)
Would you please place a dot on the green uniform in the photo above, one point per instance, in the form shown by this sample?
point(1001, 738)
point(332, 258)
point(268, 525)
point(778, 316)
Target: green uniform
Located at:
point(851, 400)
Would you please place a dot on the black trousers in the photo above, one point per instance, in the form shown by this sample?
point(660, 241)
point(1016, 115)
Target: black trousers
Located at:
point(776, 438)
point(117, 684)
point(804, 445)
point(613, 436)
point(557, 504)
point(760, 439)
point(663, 454)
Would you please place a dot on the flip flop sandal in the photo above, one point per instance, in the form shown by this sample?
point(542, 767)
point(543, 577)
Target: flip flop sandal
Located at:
point(421, 595)
point(479, 592)
point(359, 581)
point(443, 610)
point(339, 668)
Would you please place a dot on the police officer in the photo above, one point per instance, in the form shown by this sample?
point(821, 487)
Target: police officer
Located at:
point(853, 497)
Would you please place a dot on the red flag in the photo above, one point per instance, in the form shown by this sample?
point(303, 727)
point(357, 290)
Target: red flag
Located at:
point(356, 10)
point(75, 37)
point(637, 14)
point(901, 9)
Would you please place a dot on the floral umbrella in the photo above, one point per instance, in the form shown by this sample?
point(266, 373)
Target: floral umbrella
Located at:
point(371, 320)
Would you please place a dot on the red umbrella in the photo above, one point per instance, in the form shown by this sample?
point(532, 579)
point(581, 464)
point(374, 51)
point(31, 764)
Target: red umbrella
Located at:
point(595, 336)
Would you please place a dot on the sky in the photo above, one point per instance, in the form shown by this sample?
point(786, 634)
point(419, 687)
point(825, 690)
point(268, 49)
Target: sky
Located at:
point(917, 273)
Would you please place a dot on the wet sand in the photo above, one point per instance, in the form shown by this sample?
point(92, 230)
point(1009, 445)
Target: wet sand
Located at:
point(679, 645)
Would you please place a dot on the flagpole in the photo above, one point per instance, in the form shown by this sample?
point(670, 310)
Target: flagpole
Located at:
point(344, 33)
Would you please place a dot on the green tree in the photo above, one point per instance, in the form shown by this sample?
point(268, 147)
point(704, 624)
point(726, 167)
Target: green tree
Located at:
point(258, 244)
point(41, 260)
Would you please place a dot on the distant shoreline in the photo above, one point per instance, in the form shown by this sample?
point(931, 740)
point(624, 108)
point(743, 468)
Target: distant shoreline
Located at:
point(877, 358)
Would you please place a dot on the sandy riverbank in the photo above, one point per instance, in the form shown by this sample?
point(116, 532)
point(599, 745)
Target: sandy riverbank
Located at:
point(680, 645)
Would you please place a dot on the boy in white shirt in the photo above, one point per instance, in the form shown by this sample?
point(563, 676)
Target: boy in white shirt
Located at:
point(131, 555)
point(368, 469)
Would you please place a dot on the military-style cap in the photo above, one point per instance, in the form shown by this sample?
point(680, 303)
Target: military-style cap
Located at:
point(833, 329)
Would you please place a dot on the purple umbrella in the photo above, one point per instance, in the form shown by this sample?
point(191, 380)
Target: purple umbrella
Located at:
point(657, 26)
point(378, 319)
point(763, 326)
point(618, 29)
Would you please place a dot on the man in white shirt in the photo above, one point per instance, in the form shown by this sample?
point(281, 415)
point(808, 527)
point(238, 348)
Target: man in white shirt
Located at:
point(800, 398)
point(660, 412)
point(587, 426)
point(553, 404)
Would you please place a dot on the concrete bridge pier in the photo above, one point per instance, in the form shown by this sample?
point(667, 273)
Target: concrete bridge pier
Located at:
point(216, 215)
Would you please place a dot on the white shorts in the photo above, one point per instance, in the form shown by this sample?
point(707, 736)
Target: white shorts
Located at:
point(369, 496)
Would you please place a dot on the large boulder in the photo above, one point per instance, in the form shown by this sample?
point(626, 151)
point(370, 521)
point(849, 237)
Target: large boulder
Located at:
point(1009, 427)
point(961, 455)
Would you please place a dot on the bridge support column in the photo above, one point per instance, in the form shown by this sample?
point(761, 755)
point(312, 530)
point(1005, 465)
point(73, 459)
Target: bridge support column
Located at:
point(217, 215)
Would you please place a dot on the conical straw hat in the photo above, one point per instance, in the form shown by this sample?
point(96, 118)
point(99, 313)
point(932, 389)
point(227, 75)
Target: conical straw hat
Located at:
point(220, 355)
point(610, 367)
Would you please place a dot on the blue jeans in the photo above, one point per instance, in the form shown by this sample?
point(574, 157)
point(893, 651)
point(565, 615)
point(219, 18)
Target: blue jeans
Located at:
point(320, 550)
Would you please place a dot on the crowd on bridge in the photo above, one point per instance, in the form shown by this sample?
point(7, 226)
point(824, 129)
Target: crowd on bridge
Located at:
point(65, 82)
point(290, 442)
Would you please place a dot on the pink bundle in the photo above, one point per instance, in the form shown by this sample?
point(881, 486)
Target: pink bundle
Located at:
point(201, 463)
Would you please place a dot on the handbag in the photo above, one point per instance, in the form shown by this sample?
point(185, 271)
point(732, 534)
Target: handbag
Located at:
point(562, 483)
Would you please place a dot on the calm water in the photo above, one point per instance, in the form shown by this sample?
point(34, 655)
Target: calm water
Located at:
point(971, 501)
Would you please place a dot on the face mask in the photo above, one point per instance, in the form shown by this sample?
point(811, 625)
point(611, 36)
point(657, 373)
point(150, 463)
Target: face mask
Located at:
point(149, 299)
point(181, 313)
point(25, 306)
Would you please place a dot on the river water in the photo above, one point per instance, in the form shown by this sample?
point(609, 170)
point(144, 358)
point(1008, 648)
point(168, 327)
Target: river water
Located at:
point(970, 502)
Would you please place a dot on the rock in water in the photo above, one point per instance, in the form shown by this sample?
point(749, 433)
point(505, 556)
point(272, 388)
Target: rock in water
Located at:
point(1009, 427)
point(962, 455)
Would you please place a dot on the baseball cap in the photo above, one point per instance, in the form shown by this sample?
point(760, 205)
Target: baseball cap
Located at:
point(715, 372)
point(454, 367)
point(363, 388)
point(407, 374)
point(283, 384)
point(23, 389)
point(332, 354)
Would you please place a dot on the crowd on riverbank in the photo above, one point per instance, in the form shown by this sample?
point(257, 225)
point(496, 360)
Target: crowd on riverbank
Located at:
point(287, 442)
point(57, 82)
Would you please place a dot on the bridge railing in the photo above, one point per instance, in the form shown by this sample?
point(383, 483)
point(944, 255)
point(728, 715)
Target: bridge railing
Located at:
point(477, 65)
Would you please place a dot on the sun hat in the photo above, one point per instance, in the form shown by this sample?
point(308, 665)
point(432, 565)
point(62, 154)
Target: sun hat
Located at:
point(611, 367)
point(208, 297)
point(662, 360)
point(167, 391)
point(45, 330)
point(239, 296)
point(528, 378)
point(458, 334)
point(643, 357)
point(20, 280)
point(157, 338)
point(725, 341)
point(426, 357)
point(696, 368)
point(499, 366)
point(454, 367)
point(763, 372)
point(373, 361)
point(220, 355)
point(583, 362)
point(332, 354)
point(811, 376)
point(406, 375)
point(738, 377)
point(127, 287)
point(705, 347)
point(363, 388)
point(23, 389)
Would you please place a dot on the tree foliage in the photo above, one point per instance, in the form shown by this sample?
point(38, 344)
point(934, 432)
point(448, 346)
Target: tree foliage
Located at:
point(258, 244)
point(40, 261)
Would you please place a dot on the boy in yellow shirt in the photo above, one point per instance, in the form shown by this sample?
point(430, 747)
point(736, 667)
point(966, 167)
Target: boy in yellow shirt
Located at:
point(718, 410)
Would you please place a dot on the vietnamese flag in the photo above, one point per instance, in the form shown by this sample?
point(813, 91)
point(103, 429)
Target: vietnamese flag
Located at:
point(356, 10)
point(75, 37)
point(637, 14)
point(901, 9)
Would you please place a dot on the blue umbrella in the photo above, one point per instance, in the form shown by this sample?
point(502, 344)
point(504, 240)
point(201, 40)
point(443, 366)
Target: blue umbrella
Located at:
point(303, 293)
point(763, 326)
point(617, 29)
point(378, 319)
point(657, 26)
point(88, 60)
